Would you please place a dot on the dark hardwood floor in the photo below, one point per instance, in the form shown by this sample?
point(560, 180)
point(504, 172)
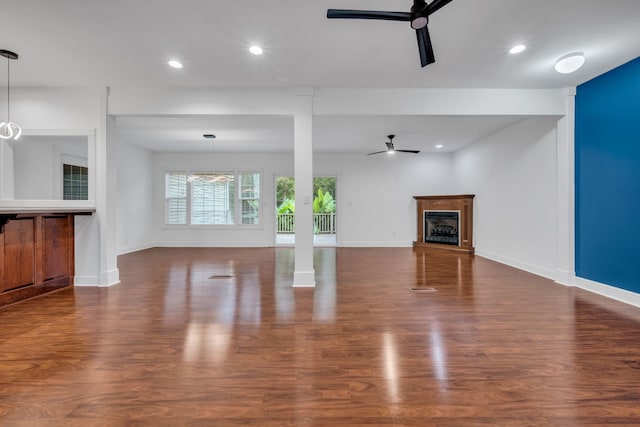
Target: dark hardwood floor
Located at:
point(172, 346)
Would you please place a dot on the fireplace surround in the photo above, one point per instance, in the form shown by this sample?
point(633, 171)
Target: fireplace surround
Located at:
point(445, 222)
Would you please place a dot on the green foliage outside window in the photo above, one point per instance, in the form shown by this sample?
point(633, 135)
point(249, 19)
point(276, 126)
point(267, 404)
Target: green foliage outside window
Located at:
point(323, 188)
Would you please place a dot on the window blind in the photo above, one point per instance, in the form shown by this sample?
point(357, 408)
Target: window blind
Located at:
point(176, 197)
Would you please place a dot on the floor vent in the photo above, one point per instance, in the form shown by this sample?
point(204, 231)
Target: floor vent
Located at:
point(423, 289)
point(221, 276)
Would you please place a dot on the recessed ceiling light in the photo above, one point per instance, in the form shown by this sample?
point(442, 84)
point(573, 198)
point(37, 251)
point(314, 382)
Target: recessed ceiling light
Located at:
point(439, 146)
point(517, 49)
point(175, 64)
point(570, 63)
point(256, 50)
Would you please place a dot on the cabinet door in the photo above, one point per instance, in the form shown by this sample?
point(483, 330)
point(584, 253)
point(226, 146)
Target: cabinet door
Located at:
point(56, 246)
point(19, 254)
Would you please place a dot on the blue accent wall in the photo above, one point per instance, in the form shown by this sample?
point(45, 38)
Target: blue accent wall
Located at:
point(607, 150)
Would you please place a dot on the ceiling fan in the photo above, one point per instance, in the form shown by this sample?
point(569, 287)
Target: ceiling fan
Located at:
point(391, 149)
point(419, 18)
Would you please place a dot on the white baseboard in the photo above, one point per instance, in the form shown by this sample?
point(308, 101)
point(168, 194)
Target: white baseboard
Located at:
point(212, 245)
point(136, 248)
point(608, 291)
point(106, 279)
point(109, 278)
point(86, 281)
point(540, 271)
point(566, 278)
point(376, 244)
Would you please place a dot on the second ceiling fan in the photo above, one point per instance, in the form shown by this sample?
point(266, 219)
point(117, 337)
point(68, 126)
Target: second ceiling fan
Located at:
point(418, 16)
point(392, 149)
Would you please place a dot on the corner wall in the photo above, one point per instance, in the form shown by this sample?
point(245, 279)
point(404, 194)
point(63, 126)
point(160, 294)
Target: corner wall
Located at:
point(375, 193)
point(513, 175)
point(135, 198)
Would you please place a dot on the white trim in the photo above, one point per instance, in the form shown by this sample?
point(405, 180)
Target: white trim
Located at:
point(565, 192)
point(126, 250)
point(540, 271)
point(109, 278)
point(81, 281)
point(58, 132)
point(218, 227)
point(209, 244)
point(608, 291)
point(565, 278)
point(47, 205)
point(376, 244)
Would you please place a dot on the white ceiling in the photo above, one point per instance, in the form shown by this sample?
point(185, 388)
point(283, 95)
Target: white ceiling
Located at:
point(352, 134)
point(124, 43)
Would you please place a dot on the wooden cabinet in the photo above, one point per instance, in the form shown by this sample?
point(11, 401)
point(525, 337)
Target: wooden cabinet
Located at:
point(36, 254)
point(445, 222)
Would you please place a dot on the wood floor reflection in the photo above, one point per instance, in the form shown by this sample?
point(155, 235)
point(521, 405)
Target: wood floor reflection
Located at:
point(218, 337)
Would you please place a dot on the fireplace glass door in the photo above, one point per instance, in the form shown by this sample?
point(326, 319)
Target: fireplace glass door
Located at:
point(442, 227)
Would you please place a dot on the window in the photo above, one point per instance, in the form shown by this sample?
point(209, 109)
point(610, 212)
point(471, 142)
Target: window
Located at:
point(176, 197)
point(211, 198)
point(75, 182)
point(250, 197)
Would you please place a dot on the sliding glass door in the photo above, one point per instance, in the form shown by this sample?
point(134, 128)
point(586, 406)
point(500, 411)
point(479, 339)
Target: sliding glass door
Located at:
point(324, 211)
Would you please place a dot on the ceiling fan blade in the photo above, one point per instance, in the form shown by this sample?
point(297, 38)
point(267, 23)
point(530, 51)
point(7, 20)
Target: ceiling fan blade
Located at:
point(378, 152)
point(436, 5)
point(409, 151)
point(368, 14)
point(425, 47)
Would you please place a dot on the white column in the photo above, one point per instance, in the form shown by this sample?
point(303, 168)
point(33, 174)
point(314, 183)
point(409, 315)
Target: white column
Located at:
point(106, 193)
point(304, 274)
point(565, 193)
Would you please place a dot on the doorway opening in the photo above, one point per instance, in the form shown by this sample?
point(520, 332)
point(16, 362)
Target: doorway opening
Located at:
point(324, 210)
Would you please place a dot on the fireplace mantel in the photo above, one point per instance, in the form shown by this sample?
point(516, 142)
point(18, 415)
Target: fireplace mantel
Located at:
point(445, 222)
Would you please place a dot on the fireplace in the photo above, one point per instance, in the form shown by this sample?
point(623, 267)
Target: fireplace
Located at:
point(445, 222)
point(442, 227)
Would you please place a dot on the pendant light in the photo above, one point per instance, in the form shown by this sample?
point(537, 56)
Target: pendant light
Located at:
point(9, 130)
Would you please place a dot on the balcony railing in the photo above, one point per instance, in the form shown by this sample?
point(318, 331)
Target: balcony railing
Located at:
point(323, 223)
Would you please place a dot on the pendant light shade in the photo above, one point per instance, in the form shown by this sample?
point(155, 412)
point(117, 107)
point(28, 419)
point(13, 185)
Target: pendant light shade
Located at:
point(8, 129)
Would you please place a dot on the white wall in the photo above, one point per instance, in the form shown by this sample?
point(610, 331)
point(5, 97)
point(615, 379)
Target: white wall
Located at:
point(55, 108)
point(38, 164)
point(375, 205)
point(135, 209)
point(268, 164)
point(513, 175)
point(374, 196)
point(7, 177)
